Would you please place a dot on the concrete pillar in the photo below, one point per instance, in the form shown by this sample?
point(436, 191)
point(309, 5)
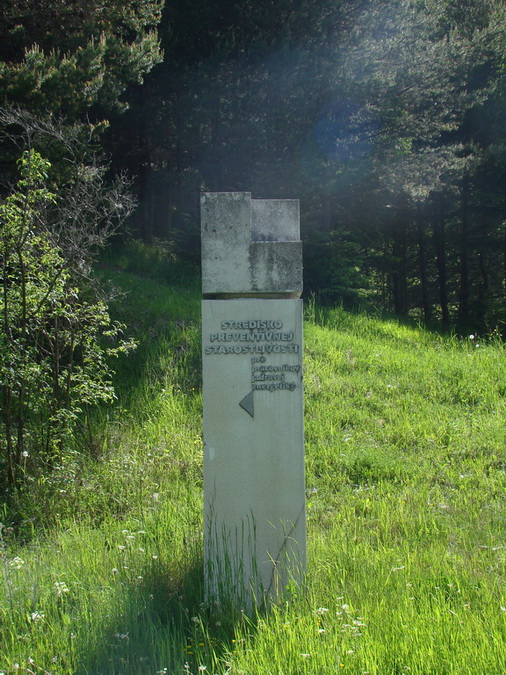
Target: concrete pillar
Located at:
point(254, 492)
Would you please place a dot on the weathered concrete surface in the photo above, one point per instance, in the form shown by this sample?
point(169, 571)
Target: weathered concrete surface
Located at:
point(236, 258)
point(275, 220)
point(226, 236)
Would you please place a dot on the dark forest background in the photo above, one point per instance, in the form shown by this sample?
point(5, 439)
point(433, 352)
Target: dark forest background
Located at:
point(386, 118)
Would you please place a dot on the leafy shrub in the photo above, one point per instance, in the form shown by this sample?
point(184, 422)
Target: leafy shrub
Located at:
point(53, 354)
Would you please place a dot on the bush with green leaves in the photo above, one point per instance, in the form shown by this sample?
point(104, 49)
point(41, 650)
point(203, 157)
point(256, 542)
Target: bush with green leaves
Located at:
point(54, 342)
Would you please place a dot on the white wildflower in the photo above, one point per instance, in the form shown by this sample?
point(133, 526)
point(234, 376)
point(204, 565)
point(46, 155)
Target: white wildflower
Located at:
point(61, 588)
point(16, 563)
point(37, 616)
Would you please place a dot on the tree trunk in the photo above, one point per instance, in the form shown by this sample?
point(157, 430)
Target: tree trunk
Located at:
point(463, 312)
point(504, 263)
point(422, 264)
point(399, 274)
point(440, 245)
point(146, 224)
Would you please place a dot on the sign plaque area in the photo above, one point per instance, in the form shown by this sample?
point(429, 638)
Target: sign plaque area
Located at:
point(254, 493)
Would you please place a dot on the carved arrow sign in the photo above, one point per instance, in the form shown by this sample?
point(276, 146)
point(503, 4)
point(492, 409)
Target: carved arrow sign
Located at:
point(247, 404)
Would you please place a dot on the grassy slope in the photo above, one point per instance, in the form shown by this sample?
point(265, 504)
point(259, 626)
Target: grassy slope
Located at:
point(405, 474)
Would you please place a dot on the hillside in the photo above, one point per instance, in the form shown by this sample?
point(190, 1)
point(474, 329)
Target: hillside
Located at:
point(406, 476)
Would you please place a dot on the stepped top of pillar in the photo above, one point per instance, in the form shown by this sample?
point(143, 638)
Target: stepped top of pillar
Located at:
point(250, 247)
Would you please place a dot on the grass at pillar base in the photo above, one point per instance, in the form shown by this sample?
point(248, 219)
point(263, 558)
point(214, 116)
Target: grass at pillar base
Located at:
point(233, 578)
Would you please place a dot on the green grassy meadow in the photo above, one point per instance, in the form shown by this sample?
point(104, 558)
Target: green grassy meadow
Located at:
point(101, 560)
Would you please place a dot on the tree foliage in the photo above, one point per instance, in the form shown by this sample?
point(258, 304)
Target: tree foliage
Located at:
point(67, 57)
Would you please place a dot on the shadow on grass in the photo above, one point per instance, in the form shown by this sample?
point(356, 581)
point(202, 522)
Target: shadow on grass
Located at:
point(163, 626)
